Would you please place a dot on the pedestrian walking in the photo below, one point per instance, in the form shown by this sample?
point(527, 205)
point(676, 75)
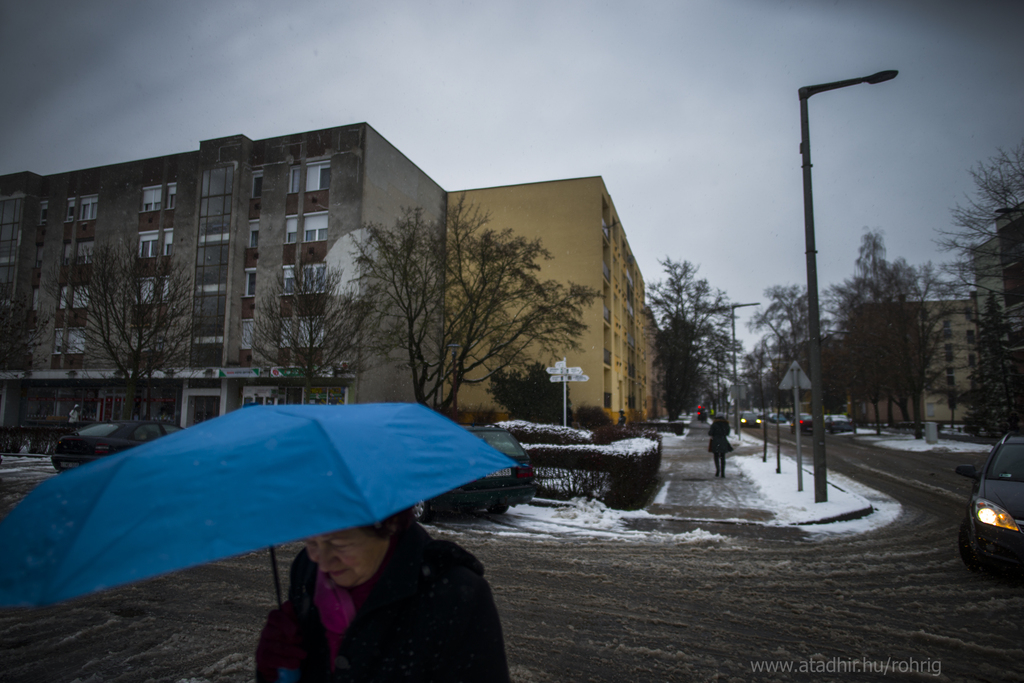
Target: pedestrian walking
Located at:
point(719, 444)
point(73, 415)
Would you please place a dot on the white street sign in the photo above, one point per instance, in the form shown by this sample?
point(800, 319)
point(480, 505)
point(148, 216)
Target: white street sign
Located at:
point(569, 378)
point(574, 371)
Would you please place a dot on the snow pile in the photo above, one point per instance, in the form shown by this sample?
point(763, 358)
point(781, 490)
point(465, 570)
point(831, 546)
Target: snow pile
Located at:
point(582, 518)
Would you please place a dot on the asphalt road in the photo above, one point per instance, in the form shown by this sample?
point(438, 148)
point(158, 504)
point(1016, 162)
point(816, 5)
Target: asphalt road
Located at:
point(892, 604)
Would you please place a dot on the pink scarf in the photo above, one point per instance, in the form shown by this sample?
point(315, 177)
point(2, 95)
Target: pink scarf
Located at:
point(337, 610)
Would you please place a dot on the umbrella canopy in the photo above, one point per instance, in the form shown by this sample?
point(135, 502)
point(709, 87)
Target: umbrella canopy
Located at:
point(256, 477)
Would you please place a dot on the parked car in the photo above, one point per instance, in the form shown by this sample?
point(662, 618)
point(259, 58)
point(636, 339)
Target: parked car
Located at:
point(806, 424)
point(838, 423)
point(749, 419)
point(990, 534)
point(497, 491)
point(101, 439)
point(776, 418)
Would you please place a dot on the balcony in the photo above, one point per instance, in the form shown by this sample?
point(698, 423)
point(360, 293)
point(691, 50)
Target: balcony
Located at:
point(629, 338)
point(607, 357)
point(607, 271)
point(607, 315)
point(606, 230)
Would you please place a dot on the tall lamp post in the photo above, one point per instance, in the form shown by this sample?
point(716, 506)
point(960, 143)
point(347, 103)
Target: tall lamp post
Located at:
point(814, 321)
point(735, 376)
point(455, 385)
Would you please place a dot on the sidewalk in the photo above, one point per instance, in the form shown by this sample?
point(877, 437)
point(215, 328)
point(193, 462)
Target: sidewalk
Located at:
point(751, 491)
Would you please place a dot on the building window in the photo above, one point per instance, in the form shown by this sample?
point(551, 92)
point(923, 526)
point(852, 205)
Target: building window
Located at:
point(318, 176)
point(80, 298)
point(291, 227)
point(172, 193)
point(968, 314)
point(152, 198)
point(250, 282)
point(88, 211)
point(70, 215)
point(168, 242)
point(76, 340)
point(254, 234)
point(289, 279)
point(62, 300)
point(35, 298)
point(148, 244)
point(970, 360)
point(66, 259)
point(315, 227)
point(257, 184)
point(58, 341)
point(949, 353)
point(44, 209)
point(83, 252)
point(947, 329)
point(314, 277)
point(247, 329)
point(970, 337)
point(293, 180)
point(950, 377)
point(39, 257)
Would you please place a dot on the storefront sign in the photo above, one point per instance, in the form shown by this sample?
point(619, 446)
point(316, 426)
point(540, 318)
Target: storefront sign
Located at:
point(238, 372)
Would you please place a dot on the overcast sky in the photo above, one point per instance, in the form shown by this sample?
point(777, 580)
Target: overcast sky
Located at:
point(687, 109)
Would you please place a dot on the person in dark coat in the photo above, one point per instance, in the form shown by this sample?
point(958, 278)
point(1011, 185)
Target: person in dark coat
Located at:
point(720, 445)
point(384, 603)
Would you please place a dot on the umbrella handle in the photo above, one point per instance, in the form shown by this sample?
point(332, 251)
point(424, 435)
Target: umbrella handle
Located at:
point(277, 579)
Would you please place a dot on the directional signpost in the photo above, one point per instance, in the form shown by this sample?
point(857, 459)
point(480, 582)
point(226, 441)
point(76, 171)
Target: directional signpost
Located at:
point(562, 374)
point(796, 379)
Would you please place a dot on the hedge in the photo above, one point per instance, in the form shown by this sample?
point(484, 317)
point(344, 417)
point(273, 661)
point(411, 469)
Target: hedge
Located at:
point(36, 440)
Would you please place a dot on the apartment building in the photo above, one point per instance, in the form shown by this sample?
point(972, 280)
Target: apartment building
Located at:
point(576, 221)
point(238, 213)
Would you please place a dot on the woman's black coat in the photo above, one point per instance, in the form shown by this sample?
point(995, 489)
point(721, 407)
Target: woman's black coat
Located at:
point(430, 617)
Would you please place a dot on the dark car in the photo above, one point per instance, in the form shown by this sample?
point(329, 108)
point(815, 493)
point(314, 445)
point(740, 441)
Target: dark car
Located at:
point(750, 420)
point(838, 423)
point(806, 424)
point(100, 439)
point(497, 491)
point(990, 534)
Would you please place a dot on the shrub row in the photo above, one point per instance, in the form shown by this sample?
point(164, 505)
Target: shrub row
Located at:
point(40, 440)
point(623, 474)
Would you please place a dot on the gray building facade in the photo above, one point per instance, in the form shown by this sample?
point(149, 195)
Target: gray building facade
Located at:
point(242, 211)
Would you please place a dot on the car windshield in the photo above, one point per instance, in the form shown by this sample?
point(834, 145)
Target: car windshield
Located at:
point(502, 441)
point(1008, 465)
point(98, 429)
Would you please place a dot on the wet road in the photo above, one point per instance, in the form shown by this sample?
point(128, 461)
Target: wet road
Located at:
point(896, 598)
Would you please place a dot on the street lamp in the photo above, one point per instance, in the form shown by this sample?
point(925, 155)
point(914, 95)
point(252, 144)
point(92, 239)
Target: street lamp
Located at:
point(814, 321)
point(455, 385)
point(735, 376)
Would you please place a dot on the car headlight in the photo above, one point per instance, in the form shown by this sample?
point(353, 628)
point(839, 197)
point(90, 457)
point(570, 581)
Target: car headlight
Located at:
point(991, 514)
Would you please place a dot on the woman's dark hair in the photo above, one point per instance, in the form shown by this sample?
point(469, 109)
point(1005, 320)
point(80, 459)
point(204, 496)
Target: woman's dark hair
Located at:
point(390, 526)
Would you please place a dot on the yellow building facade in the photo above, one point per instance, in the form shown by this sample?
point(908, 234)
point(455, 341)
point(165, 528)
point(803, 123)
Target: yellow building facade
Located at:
point(577, 223)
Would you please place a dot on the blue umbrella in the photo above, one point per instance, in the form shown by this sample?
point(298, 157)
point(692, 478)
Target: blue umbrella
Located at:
point(253, 478)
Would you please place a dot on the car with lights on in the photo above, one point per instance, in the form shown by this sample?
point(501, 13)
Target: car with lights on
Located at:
point(100, 439)
point(806, 422)
point(990, 534)
point(749, 419)
point(494, 493)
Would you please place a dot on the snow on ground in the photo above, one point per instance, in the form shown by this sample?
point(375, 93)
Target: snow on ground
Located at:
point(588, 518)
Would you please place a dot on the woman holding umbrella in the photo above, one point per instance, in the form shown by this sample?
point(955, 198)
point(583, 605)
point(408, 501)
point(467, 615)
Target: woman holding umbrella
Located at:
point(384, 602)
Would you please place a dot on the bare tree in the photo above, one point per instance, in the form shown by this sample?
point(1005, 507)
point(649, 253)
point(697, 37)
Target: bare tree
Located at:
point(476, 285)
point(690, 332)
point(981, 243)
point(21, 329)
point(132, 313)
point(402, 276)
point(310, 318)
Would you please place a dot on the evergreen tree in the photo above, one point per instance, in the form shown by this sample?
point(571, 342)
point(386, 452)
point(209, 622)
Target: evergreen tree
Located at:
point(528, 395)
point(996, 383)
